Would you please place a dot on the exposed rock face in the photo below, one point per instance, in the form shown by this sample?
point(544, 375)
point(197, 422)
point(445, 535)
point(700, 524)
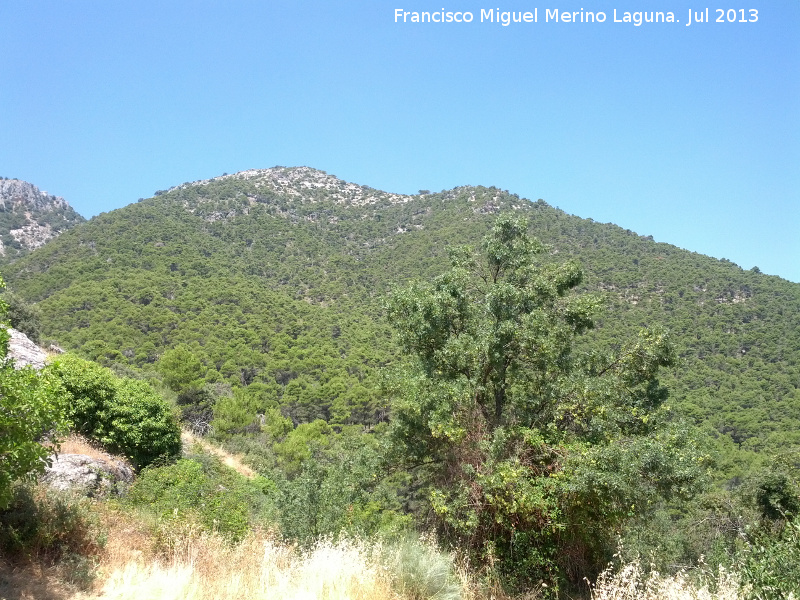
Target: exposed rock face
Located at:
point(29, 217)
point(86, 475)
point(23, 351)
point(307, 185)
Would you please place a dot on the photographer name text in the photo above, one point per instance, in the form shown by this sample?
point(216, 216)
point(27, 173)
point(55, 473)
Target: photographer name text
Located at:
point(556, 15)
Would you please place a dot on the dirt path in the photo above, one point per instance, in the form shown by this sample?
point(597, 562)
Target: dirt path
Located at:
point(231, 460)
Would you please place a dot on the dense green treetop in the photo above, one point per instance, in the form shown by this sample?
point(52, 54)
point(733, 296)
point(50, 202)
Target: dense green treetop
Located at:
point(530, 451)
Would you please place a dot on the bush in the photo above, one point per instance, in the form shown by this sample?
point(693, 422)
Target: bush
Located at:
point(770, 566)
point(200, 491)
point(197, 409)
point(45, 524)
point(23, 317)
point(421, 572)
point(126, 416)
point(339, 489)
point(31, 405)
point(142, 424)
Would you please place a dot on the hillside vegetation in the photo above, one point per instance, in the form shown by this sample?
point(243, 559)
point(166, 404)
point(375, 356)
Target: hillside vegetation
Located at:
point(276, 278)
point(603, 385)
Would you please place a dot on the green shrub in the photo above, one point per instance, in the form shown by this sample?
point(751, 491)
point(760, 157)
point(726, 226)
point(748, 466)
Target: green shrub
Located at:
point(143, 425)
point(31, 405)
point(771, 566)
point(339, 489)
point(125, 415)
point(23, 317)
point(46, 524)
point(199, 490)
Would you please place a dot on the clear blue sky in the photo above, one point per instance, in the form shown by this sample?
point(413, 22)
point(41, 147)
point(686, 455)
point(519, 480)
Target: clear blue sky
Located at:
point(687, 133)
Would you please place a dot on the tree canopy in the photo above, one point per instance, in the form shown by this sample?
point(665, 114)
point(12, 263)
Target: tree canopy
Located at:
point(526, 446)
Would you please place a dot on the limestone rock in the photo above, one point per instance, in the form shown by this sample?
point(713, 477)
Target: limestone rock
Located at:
point(23, 351)
point(86, 475)
point(30, 217)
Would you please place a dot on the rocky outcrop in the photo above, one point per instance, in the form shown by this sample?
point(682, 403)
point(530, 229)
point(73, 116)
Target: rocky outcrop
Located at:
point(15, 192)
point(23, 351)
point(87, 476)
point(29, 217)
point(304, 185)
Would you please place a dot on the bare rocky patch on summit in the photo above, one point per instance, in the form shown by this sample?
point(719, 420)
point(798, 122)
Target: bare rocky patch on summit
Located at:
point(29, 217)
point(307, 185)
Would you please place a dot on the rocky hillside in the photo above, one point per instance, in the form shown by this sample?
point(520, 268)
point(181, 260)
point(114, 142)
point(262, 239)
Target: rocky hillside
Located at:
point(302, 184)
point(29, 218)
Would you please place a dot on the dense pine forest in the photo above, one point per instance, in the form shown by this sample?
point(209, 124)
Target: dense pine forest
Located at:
point(531, 387)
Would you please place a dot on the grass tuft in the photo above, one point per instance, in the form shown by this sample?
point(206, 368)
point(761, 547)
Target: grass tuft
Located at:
point(631, 582)
point(259, 567)
point(421, 572)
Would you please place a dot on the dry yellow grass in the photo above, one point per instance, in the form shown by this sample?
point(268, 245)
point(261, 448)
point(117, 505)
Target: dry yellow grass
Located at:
point(632, 583)
point(77, 444)
point(206, 568)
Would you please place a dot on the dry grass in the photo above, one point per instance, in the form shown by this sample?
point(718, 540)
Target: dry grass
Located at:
point(632, 583)
point(34, 582)
point(136, 563)
point(77, 444)
point(205, 567)
point(201, 566)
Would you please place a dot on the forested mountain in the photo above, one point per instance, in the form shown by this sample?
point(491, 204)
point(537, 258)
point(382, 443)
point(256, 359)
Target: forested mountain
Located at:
point(269, 286)
point(29, 218)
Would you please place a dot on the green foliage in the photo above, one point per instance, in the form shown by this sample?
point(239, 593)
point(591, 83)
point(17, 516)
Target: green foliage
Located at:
point(197, 409)
point(142, 424)
point(268, 293)
point(279, 283)
point(769, 562)
point(45, 524)
point(297, 446)
point(770, 566)
point(180, 368)
point(201, 489)
point(125, 415)
point(31, 406)
point(339, 489)
point(775, 494)
point(534, 453)
point(23, 317)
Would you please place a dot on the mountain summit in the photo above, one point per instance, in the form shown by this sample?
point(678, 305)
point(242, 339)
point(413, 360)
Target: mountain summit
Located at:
point(305, 185)
point(29, 218)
